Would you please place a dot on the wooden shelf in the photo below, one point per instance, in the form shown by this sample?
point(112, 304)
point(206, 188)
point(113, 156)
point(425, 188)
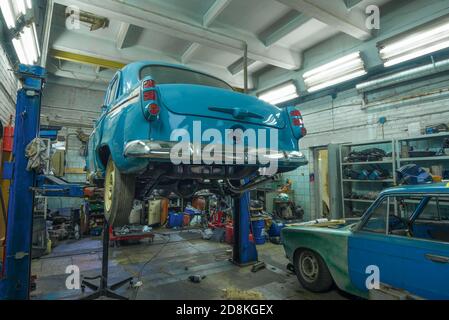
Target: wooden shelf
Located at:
point(434, 158)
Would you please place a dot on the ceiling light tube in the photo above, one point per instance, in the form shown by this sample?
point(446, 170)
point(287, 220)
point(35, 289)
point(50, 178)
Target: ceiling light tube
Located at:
point(427, 39)
point(29, 44)
point(20, 6)
point(343, 69)
point(332, 64)
point(280, 94)
point(8, 13)
point(337, 81)
point(29, 4)
point(17, 43)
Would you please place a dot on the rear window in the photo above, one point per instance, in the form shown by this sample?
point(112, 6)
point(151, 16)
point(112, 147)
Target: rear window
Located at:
point(171, 75)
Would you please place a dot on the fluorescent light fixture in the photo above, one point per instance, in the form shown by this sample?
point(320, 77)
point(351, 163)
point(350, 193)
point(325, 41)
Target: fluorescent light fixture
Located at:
point(8, 13)
point(29, 4)
point(27, 46)
point(279, 94)
point(343, 69)
point(20, 6)
point(425, 40)
point(17, 43)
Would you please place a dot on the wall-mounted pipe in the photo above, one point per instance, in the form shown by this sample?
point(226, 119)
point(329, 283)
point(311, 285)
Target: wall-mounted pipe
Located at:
point(404, 76)
point(410, 100)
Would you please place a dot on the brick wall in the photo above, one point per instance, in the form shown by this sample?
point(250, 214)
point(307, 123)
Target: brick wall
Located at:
point(8, 88)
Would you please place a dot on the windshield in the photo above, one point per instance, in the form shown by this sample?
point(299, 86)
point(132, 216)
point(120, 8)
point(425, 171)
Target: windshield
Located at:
point(171, 75)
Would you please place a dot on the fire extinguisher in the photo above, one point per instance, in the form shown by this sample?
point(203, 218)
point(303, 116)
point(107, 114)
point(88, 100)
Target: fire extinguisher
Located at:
point(8, 136)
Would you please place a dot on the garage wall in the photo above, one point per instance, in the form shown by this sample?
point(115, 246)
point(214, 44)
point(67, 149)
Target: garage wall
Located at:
point(343, 120)
point(8, 88)
point(70, 105)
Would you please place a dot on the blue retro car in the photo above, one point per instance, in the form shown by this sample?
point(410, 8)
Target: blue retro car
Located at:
point(402, 241)
point(152, 118)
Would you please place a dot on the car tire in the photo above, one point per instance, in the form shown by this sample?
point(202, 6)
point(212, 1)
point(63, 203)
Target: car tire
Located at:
point(312, 272)
point(119, 193)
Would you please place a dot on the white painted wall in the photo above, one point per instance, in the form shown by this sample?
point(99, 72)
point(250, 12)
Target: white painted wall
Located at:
point(8, 88)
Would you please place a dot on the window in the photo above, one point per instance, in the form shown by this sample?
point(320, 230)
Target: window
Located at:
point(433, 222)
point(394, 211)
point(112, 92)
point(172, 75)
point(377, 222)
point(437, 209)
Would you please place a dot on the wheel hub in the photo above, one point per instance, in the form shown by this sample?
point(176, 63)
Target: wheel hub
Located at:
point(309, 267)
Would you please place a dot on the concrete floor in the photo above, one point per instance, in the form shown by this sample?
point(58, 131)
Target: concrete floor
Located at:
point(178, 256)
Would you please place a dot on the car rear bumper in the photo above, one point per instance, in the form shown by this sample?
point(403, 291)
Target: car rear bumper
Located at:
point(162, 150)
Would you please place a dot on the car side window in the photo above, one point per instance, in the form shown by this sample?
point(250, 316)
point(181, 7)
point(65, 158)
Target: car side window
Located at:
point(377, 222)
point(437, 209)
point(113, 91)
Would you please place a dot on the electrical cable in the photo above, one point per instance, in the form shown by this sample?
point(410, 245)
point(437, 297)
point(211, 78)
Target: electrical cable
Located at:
point(139, 277)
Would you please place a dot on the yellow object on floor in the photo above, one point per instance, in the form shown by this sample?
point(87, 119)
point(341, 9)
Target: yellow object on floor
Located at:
point(236, 294)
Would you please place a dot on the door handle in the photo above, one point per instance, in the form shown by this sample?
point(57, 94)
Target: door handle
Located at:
point(437, 259)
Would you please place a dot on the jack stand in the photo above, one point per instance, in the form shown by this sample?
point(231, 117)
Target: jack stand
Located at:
point(244, 251)
point(104, 290)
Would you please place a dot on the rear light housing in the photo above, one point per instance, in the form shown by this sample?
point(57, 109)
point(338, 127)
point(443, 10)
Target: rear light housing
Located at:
point(149, 99)
point(296, 122)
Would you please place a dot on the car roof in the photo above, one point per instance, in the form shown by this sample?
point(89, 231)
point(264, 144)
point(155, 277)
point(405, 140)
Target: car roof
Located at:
point(430, 188)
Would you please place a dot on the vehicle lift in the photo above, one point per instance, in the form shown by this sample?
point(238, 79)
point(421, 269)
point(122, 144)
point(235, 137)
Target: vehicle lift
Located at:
point(15, 279)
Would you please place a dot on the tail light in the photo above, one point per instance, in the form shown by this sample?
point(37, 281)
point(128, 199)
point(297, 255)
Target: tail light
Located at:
point(149, 93)
point(297, 122)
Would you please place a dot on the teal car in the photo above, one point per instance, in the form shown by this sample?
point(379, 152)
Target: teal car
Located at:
point(402, 240)
point(169, 128)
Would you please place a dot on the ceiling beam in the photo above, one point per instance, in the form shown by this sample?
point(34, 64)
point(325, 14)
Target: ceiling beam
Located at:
point(335, 14)
point(121, 35)
point(212, 13)
point(237, 66)
point(96, 51)
point(190, 51)
point(351, 3)
point(281, 28)
point(150, 16)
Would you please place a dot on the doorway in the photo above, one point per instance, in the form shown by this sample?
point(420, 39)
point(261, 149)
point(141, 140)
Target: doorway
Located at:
point(322, 192)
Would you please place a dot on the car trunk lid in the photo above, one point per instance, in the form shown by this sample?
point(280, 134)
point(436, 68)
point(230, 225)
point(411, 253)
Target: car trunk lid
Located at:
point(204, 101)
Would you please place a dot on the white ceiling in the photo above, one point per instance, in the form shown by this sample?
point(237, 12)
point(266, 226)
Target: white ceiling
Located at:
point(205, 34)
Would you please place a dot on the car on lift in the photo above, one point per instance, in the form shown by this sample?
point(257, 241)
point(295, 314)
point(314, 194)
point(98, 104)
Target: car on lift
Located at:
point(402, 240)
point(131, 147)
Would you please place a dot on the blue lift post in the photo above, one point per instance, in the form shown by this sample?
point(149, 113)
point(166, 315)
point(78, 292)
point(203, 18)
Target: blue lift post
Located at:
point(244, 251)
point(16, 282)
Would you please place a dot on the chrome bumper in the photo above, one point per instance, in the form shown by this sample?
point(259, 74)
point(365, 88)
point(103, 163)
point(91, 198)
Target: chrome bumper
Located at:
point(162, 150)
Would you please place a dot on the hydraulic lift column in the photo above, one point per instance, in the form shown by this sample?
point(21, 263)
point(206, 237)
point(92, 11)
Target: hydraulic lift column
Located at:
point(244, 251)
point(16, 281)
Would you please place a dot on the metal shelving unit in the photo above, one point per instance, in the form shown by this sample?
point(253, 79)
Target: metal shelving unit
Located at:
point(354, 207)
point(437, 164)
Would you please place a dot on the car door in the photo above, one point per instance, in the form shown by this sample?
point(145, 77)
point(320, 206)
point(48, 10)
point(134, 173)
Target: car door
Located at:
point(110, 97)
point(370, 248)
point(426, 252)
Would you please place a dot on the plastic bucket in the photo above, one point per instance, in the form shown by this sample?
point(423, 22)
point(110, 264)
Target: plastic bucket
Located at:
point(275, 229)
point(175, 220)
point(258, 231)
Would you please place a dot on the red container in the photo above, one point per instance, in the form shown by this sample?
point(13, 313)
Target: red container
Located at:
point(186, 220)
point(229, 234)
point(8, 138)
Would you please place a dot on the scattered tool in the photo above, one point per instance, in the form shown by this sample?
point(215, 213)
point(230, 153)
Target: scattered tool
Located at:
point(196, 278)
point(258, 266)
